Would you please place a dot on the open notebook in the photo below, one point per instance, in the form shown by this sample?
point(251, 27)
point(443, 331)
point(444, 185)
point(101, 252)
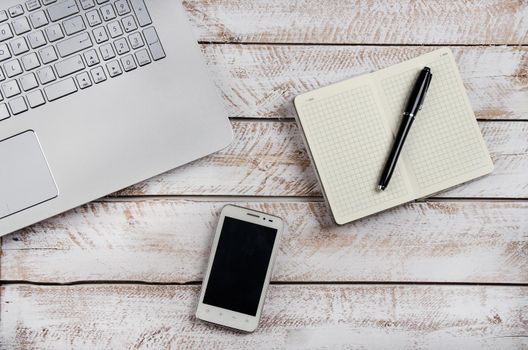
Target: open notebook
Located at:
point(349, 128)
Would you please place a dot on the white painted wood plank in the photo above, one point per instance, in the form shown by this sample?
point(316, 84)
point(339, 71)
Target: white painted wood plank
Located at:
point(294, 317)
point(169, 241)
point(269, 159)
point(353, 22)
point(262, 80)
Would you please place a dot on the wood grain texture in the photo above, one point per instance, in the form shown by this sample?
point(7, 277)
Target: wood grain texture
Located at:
point(262, 80)
point(294, 317)
point(269, 159)
point(361, 22)
point(169, 241)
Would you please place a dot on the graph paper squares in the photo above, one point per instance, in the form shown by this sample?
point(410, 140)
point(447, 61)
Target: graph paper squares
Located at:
point(352, 146)
point(350, 127)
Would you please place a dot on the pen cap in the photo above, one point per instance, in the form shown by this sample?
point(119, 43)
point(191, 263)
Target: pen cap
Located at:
point(419, 91)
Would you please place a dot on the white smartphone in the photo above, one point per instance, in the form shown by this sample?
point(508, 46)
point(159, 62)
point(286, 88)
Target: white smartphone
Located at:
point(239, 268)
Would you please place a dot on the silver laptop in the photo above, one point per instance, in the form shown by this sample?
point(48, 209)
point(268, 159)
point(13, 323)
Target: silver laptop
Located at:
point(97, 95)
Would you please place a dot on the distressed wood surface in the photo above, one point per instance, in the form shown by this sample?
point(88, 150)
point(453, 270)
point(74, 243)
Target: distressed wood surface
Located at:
point(264, 56)
point(294, 317)
point(269, 159)
point(169, 241)
point(261, 80)
point(361, 22)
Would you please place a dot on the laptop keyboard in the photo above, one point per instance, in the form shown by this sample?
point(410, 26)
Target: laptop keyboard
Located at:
point(50, 49)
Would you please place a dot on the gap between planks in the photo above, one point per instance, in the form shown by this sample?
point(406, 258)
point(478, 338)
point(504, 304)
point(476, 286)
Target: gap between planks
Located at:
point(279, 283)
point(283, 199)
point(292, 120)
point(264, 43)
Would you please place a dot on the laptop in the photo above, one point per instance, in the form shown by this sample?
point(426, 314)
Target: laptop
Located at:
point(97, 95)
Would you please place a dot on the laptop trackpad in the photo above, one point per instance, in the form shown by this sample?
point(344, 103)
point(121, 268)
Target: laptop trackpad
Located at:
point(25, 179)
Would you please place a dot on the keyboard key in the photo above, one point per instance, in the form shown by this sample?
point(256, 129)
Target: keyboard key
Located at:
point(100, 35)
point(21, 25)
point(151, 36)
point(5, 32)
point(83, 80)
point(30, 61)
point(54, 32)
point(38, 19)
point(98, 75)
point(77, 51)
point(10, 88)
point(18, 105)
point(28, 82)
point(128, 63)
point(4, 112)
point(154, 44)
point(32, 5)
point(157, 52)
point(48, 55)
point(122, 7)
point(13, 68)
point(46, 75)
point(108, 12)
point(141, 12)
point(121, 46)
point(114, 69)
point(36, 39)
point(19, 46)
point(136, 40)
point(35, 99)
point(91, 58)
point(16, 11)
point(129, 24)
point(75, 44)
point(62, 10)
point(93, 18)
point(114, 28)
point(61, 89)
point(107, 52)
point(143, 57)
point(3, 16)
point(73, 25)
point(87, 4)
point(69, 66)
point(4, 52)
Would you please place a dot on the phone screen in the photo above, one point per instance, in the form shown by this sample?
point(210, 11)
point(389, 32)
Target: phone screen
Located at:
point(239, 267)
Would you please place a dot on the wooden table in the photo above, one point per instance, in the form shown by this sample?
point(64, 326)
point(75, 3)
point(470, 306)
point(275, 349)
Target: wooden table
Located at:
point(450, 271)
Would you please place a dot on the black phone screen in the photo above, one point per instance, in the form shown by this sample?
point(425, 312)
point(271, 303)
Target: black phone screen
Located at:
point(239, 266)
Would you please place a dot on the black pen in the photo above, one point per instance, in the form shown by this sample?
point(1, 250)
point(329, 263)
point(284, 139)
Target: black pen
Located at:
point(414, 104)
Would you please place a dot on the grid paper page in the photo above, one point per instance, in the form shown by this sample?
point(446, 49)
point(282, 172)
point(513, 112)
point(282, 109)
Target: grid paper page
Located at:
point(349, 145)
point(444, 141)
point(345, 127)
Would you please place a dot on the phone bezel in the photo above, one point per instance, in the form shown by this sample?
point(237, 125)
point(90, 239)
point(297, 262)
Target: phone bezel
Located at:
point(226, 317)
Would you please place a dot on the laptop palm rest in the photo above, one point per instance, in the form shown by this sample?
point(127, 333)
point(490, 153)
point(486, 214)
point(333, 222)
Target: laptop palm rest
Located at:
point(25, 178)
